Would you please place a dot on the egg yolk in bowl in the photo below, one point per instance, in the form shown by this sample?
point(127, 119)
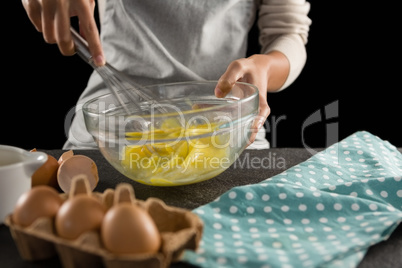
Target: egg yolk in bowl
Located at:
point(191, 154)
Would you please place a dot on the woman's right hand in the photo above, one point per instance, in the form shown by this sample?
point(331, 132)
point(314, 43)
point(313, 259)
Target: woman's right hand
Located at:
point(52, 18)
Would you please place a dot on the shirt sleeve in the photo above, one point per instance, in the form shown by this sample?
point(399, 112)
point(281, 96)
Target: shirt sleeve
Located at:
point(284, 27)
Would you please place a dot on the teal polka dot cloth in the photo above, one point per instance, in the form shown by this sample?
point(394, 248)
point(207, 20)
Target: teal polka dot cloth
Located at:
point(324, 212)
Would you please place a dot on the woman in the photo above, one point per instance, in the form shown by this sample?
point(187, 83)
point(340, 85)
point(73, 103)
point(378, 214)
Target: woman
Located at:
point(182, 40)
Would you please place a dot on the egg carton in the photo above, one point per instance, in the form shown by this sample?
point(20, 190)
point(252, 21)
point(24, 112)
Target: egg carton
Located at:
point(180, 230)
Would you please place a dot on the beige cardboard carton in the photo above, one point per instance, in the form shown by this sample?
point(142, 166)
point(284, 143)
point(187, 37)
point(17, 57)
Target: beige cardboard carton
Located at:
point(180, 229)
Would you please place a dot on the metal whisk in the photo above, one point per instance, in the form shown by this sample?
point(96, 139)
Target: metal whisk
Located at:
point(120, 85)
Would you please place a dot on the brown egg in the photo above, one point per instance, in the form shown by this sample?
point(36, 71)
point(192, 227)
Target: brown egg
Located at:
point(129, 229)
point(47, 173)
point(75, 165)
point(79, 214)
point(40, 201)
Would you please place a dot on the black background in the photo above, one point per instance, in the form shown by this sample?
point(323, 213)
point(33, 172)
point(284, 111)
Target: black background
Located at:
point(353, 61)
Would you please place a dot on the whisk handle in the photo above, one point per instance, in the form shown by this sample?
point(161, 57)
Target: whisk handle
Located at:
point(81, 46)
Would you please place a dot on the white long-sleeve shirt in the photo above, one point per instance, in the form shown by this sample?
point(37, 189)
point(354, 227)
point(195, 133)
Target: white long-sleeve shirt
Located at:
point(160, 41)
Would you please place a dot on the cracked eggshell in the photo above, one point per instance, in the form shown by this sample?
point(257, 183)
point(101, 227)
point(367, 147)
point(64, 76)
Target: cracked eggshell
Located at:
point(47, 173)
point(75, 165)
point(65, 156)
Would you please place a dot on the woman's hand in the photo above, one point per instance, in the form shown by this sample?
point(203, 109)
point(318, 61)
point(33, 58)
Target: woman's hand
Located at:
point(52, 18)
point(268, 72)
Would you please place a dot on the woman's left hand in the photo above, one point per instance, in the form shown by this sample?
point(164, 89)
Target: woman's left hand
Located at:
point(268, 72)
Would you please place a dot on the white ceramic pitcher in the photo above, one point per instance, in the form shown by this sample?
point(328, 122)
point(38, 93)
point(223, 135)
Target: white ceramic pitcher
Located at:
point(16, 169)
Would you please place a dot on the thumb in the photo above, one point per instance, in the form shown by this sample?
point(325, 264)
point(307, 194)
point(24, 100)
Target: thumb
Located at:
point(226, 82)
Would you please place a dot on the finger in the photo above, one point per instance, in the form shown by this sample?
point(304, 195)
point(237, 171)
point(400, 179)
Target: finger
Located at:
point(48, 19)
point(34, 11)
point(62, 29)
point(233, 73)
point(89, 30)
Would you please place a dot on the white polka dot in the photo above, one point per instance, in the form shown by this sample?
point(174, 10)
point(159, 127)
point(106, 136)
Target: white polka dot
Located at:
point(249, 196)
point(353, 194)
point(332, 187)
point(293, 237)
point(369, 229)
point(369, 192)
point(399, 193)
point(384, 194)
point(242, 259)
point(252, 220)
point(341, 219)
point(359, 217)
point(217, 226)
point(258, 244)
point(267, 209)
point(285, 208)
point(373, 206)
point(282, 196)
point(331, 237)
point(219, 244)
point(350, 234)
point(232, 195)
point(250, 210)
point(305, 221)
point(364, 224)
point(235, 228)
point(355, 207)
point(217, 236)
point(277, 244)
point(317, 194)
point(287, 221)
point(337, 206)
point(388, 223)
point(397, 178)
point(299, 194)
point(221, 260)
point(200, 260)
point(253, 230)
point(309, 229)
point(269, 221)
point(323, 220)
point(320, 207)
point(302, 207)
point(236, 236)
point(296, 245)
point(345, 227)
point(265, 197)
point(326, 177)
point(233, 209)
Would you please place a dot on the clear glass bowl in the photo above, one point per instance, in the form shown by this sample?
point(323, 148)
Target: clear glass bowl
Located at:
point(186, 135)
